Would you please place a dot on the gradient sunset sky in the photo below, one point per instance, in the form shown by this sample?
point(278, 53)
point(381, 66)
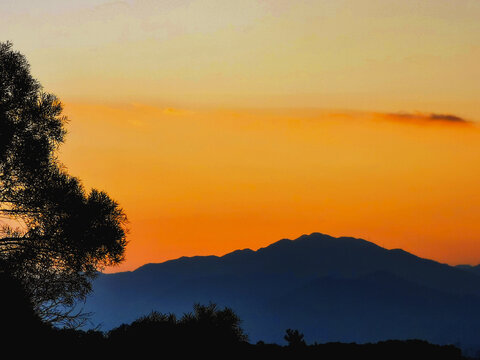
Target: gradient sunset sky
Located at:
point(220, 125)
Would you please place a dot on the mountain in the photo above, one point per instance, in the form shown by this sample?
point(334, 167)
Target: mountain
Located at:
point(331, 289)
point(473, 269)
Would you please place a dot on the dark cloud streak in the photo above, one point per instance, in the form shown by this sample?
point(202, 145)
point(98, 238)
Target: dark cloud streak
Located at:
point(426, 118)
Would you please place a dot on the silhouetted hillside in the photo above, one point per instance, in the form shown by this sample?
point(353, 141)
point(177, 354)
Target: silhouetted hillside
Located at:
point(333, 289)
point(473, 269)
point(208, 332)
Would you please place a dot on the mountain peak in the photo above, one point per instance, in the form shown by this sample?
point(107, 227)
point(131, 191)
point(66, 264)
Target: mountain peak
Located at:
point(321, 240)
point(238, 253)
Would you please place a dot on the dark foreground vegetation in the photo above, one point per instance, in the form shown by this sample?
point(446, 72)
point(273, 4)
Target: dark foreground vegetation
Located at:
point(206, 331)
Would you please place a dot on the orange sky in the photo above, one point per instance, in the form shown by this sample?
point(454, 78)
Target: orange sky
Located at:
point(202, 181)
point(224, 124)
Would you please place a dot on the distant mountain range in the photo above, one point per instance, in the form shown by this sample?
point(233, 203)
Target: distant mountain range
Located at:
point(474, 269)
point(331, 289)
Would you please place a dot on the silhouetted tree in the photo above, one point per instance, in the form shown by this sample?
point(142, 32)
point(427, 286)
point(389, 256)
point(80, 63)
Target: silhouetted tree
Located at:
point(54, 236)
point(206, 328)
point(212, 324)
point(294, 338)
point(16, 311)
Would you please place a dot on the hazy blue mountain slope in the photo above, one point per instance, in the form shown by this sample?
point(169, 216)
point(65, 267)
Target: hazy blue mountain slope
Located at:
point(470, 268)
point(378, 305)
point(335, 289)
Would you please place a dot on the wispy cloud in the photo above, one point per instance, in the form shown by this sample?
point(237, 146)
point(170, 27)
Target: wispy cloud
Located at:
point(424, 118)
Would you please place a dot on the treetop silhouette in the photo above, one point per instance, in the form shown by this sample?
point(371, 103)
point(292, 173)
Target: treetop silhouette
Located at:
point(54, 236)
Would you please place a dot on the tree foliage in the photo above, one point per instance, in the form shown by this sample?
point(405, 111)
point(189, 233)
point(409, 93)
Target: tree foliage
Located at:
point(207, 325)
point(54, 235)
point(294, 338)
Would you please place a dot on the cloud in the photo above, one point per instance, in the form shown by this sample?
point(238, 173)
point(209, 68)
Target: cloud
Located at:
point(424, 118)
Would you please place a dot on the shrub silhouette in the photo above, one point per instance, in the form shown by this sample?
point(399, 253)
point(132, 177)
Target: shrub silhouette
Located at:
point(209, 324)
point(206, 328)
point(294, 338)
point(150, 329)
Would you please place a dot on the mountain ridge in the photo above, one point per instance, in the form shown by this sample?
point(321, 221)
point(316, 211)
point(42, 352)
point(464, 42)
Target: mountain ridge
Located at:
point(310, 248)
point(237, 252)
point(289, 272)
point(248, 250)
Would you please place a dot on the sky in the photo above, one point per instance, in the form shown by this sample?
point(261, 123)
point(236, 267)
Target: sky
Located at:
point(221, 125)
